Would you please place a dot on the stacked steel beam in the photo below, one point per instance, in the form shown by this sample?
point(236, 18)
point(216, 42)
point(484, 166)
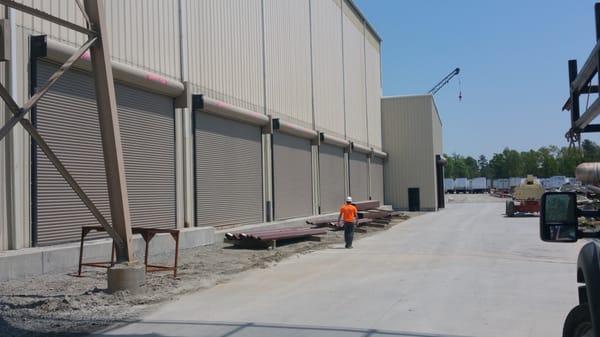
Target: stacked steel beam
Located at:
point(268, 236)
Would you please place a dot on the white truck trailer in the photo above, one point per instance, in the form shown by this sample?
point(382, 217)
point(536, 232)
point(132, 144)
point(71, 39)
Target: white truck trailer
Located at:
point(478, 185)
point(449, 185)
point(461, 185)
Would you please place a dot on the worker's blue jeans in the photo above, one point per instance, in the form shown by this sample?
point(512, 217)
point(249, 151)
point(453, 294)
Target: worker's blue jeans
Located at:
point(348, 233)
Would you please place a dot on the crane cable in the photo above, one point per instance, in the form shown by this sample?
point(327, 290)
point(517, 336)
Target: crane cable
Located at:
point(459, 87)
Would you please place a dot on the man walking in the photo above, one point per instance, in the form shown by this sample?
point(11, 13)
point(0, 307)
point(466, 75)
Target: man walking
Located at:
point(349, 214)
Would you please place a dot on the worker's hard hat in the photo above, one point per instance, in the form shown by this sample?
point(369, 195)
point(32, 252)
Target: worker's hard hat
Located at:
point(348, 199)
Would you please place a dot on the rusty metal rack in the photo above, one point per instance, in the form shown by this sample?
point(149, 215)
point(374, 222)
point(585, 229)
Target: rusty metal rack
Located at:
point(147, 234)
point(269, 236)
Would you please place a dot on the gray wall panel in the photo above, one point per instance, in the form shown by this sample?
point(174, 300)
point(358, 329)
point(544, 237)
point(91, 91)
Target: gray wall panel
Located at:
point(359, 176)
point(332, 179)
point(377, 179)
point(228, 172)
point(292, 175)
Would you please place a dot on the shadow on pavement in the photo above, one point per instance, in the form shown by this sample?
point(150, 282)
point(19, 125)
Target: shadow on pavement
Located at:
point(231, 329)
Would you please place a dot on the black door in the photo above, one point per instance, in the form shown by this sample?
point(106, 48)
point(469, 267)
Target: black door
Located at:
point(414, 200)
point(440, 186)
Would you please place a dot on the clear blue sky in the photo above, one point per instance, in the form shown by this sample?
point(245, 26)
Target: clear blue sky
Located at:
point(513, 58)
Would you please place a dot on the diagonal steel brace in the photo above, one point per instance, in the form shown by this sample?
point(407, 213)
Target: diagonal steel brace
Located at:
point(49, 17)
point(19, 113)
point(35, 98)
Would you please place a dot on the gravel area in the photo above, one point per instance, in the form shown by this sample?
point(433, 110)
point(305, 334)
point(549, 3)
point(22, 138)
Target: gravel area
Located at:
point(66, 305)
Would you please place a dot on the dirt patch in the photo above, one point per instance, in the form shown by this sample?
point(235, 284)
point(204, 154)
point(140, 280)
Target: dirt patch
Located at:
point(65, 305)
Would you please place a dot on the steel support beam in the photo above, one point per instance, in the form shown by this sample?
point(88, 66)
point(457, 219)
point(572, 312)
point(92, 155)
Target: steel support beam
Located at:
point(110, 130)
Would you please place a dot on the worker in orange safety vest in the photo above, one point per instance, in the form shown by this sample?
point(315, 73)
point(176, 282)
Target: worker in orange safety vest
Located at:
point(348, 213)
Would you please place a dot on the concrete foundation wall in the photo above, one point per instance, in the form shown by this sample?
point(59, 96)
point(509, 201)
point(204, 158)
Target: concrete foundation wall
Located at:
point(64, 258)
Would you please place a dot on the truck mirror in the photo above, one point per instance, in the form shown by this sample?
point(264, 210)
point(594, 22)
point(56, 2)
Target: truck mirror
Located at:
point(558, 217)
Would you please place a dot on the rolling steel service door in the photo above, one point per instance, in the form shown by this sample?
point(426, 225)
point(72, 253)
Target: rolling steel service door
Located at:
point(292, 176)
point(359, 176)
point(228, 172)
point(331, 177)
point(68, 120)
point(377, 179)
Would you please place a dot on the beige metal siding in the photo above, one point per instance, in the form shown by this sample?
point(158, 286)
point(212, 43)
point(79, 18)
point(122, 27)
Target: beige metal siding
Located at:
point(408, 139)
point(373, 77)
point(225, 51)
point(438, 137)
point(287, 60)
point(327, 65)
point(354, 76)
point(142, 33)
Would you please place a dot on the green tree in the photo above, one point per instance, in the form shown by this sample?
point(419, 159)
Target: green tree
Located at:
point(483, 166)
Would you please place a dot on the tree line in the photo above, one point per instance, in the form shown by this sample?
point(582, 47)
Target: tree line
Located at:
point(544, 162)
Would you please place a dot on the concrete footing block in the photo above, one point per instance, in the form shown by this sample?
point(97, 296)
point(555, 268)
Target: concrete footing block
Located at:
point(130, 277)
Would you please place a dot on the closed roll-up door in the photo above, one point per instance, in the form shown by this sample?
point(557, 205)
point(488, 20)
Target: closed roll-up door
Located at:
point(67, 118)
point(331, 177)
point(359, 176)
point(377, 179)
point(292, 176)
point(228, 172)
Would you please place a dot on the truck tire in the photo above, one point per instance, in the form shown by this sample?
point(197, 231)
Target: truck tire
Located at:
point(510, 208)
point(578, 322)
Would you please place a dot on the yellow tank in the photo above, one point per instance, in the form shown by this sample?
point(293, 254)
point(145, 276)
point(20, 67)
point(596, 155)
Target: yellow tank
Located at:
point(530, 190)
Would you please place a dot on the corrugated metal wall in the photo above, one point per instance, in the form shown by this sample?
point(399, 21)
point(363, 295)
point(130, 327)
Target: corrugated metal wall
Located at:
point(354, 76)
point(143, 33)
point(373, 77)
point(407, 138)
point(225, 45)
point(438, 137)
point(288, 60)
point(327, 66)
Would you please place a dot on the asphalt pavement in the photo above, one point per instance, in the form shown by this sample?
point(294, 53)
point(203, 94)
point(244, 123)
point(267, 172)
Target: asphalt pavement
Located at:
point(464, 271)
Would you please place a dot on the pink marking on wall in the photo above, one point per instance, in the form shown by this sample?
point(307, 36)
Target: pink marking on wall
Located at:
point(222, 104)
point(156, 78)
point(86, 56)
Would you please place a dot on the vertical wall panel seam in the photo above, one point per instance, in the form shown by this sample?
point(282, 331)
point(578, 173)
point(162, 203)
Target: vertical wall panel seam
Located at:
point(343, 69)
point(366, 80)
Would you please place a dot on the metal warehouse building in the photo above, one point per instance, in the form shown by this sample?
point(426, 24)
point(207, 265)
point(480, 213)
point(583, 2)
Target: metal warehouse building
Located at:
point(232, 112)
point(412, 135)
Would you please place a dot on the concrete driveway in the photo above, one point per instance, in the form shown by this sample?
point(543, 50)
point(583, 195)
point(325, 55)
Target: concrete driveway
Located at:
point(463, 271)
